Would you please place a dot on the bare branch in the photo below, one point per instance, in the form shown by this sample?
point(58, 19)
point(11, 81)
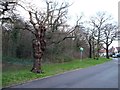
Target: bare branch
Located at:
point(31, 20)
point(63, 39)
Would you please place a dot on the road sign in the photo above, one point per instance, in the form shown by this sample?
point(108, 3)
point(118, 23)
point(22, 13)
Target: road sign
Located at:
point(81, 49)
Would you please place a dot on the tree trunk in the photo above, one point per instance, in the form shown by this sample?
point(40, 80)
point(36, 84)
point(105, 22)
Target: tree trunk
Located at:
point(97, 56)
point(37, 54)
point(93, 49)
point(98, 49)
point(107, 52)
point(90, 50)
point(38, 49)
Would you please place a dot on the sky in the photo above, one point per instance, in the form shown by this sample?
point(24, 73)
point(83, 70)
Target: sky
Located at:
point(87, 8)
point(90, 7)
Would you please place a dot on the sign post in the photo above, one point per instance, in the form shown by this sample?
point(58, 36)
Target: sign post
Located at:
point(81, 52)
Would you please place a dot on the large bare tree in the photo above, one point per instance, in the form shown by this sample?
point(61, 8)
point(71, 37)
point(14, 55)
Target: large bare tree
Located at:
point(98, 22)
point(109, 36)
point(40, 22)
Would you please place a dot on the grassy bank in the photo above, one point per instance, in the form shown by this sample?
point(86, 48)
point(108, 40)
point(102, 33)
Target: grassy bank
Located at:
point(17, 73)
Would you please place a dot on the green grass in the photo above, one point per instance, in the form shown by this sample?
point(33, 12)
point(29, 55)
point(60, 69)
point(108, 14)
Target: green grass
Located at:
point(15, 73)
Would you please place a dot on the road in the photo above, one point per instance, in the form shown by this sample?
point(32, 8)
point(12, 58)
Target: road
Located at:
point(99, 76)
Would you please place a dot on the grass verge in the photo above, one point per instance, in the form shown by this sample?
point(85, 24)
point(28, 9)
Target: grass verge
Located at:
point(16, 73)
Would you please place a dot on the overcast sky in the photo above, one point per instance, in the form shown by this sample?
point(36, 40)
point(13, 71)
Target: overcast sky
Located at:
point(87, 8)
point(90, 7)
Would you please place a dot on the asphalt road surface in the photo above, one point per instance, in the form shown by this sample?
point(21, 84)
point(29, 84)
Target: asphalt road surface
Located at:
point(99, 76)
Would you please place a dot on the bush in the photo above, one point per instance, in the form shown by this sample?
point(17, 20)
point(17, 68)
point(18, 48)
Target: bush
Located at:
point(63, 58)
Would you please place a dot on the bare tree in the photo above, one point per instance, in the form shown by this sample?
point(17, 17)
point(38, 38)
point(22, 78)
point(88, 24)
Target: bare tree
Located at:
point(109, 36)
point(40, 22)
point(91, 41)
point(98, 22)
